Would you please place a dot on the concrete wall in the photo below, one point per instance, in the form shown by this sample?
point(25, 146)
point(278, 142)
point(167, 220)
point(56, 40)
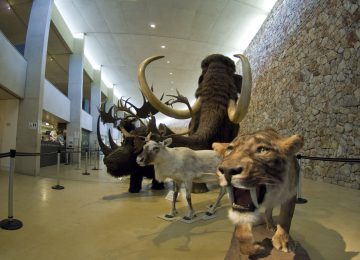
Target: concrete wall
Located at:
point(306, 73)
point(8, 128)
point(12, 68)
point(56, 102)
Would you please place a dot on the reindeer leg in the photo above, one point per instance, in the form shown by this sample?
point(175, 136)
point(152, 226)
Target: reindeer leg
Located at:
point(173, 212)
point(212, 209)
point(191, 214)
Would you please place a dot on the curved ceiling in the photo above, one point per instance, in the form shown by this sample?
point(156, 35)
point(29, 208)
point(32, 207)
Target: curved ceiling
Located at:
point(118, 36)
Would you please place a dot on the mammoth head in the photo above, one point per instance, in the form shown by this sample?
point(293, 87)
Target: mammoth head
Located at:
point(216, 69)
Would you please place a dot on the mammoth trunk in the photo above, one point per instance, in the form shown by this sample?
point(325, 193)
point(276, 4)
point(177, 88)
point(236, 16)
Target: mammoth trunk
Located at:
point(209, 125)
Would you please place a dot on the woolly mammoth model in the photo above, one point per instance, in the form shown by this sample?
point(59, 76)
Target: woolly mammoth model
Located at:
point(217, 111)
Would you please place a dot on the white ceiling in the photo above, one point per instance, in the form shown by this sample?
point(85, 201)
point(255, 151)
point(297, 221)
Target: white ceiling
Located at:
point(118, 36)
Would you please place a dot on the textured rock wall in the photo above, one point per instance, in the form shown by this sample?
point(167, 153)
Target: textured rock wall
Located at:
point(306, 74)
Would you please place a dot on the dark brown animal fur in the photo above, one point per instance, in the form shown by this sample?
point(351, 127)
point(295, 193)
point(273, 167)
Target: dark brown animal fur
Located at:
point(218, 83)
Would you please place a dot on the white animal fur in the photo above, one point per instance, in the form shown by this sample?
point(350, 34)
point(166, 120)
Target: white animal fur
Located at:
point(182, 165)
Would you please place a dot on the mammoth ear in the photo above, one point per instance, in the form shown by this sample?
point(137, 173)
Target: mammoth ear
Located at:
point(167, 141)
point(238, 82)
point(220, 148)
point(292, 144)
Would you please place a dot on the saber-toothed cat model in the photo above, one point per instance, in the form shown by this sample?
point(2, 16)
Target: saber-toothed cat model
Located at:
point(260, 170)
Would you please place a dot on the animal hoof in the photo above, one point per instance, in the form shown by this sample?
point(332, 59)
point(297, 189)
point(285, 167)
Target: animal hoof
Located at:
point(189, 218)
point(158, 186)
point(132, 190)
point(169, 216)
point(209, 213)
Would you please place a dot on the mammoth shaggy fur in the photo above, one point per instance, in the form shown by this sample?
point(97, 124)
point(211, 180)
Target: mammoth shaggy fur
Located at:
point(218, 83)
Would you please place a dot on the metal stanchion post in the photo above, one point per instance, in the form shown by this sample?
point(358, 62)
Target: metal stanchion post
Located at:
point(96, 163)
point(98, 159)
point(58, 186)
point(78, 150)
point(86, 162)
point(96, 155)
point(10, 223)
point(66, 157)
point(299, 199)
point(89, 155)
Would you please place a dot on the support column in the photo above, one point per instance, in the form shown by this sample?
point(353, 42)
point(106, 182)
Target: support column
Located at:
point(75, 94)
point(30, 108)
point(95, 105)
point(109, 103)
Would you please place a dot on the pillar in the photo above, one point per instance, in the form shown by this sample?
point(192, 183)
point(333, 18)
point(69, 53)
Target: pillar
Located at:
point(75, 94)
point(109, 103)
point(95, 105)
point(30, 108)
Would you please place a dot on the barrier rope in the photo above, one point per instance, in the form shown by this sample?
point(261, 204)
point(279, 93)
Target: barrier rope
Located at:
point(329, 159)
point(3, 155)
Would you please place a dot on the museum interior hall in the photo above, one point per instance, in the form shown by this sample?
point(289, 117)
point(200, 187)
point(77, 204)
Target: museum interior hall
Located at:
point(179, 129)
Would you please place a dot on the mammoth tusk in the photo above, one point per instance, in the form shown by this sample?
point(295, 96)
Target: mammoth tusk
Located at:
point(237, 110)
point(144, 87)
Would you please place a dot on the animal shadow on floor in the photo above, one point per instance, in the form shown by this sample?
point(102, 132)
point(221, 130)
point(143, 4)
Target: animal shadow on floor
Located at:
point(179, 229)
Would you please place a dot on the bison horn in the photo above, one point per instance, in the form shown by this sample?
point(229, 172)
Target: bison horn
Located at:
point(144, 87)
point(106, 150)
point(111, 141)
point(237, 110)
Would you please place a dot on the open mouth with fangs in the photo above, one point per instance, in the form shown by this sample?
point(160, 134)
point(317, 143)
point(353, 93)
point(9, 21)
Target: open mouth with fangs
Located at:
point(246, 199)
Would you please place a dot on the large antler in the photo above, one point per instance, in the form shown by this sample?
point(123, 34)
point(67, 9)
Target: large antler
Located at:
point(107, 117)
point(123, 105)
point(146, 109)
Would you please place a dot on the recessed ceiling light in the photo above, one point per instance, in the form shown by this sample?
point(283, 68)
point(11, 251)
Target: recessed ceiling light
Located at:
point(163, 46)
point(172, 82)
point(168, 62)
point(153, 25)
point(170, 73)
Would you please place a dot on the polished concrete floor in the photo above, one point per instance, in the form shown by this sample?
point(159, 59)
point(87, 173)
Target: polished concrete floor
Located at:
point(95, 218)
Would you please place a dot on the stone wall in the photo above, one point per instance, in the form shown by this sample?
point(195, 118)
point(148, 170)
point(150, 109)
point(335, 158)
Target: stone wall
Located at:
point(306, 73)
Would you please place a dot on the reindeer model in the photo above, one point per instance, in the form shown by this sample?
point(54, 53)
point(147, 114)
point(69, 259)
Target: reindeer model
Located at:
point(182, 165)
